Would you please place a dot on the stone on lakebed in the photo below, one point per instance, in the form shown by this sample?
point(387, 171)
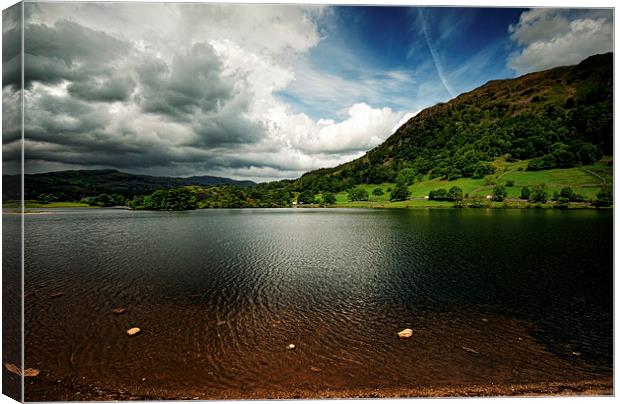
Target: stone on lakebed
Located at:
point(406, 333)
point(133, 331)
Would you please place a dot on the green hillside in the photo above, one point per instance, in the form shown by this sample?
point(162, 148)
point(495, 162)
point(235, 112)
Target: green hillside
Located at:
point(585, 181)
point(555, 119)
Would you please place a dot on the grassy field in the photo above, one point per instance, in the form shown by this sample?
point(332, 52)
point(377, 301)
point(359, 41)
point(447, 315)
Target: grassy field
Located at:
point(37, 204)
point(586, 181)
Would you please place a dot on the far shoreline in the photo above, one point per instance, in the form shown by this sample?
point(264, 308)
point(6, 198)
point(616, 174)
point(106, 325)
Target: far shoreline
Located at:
point(12, 209)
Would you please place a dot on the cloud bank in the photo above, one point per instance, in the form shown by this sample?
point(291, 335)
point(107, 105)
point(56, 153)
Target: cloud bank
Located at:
point(179, 89)
point(558, 37)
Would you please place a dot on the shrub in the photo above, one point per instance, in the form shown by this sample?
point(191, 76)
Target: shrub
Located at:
point(525, 193)
point(329, 198)
point(438, 195)
point(306, 197)
point(489, 180)
point(539, 194)
point(482, 169)
point(358, 194)
point(510, 183)
point(477, 202)
point(400, 192)
point(455, 194)
point(605, 197)
point(499, 193)
point(377, 192)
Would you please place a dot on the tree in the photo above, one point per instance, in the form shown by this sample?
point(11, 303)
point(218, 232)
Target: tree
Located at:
point(166, 199)
point(400, 192)
point(137, 202)
point(499, 193)
point(525, 193)
point(358, 194)
point(329, 198)
point(482, 169)
point(438, 195)
point(542, 163)
point(567, 193)
point(539, 194)
point(306, 197)
point(104, 200)
point(455, 194)
point(407, 175)
point(605, 197)
point(377, 192)
point(117, 200)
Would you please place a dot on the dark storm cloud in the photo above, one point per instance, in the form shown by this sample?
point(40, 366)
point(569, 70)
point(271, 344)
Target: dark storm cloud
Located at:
point(70, 70)
point(62, 119)
point(68, 51)
point(11, 47)
point(192, 83)
point(228, 127)
point(116, 88)
point(146, 88)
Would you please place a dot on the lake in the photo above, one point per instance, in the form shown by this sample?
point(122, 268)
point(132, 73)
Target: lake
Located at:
point(494, 298)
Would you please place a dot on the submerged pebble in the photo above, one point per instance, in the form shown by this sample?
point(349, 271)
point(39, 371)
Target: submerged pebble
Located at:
point(470, 350)
point(133, 331)
point(406, 333)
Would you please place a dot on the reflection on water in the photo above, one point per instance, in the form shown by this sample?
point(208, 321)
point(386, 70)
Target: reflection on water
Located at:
point(219, 294)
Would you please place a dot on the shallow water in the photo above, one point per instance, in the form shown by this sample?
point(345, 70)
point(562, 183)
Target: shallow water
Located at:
point(493, 297)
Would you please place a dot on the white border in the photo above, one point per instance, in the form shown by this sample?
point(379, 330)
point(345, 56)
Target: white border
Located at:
point(462, 3)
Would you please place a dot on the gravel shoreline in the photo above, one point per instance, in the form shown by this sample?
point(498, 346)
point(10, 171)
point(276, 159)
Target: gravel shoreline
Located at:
point(44, 391)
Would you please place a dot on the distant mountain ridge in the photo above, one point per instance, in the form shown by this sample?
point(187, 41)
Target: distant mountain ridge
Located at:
point(75, 184)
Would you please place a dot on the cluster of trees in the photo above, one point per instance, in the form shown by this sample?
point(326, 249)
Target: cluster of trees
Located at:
point(565, 156)
point(105, 200)
point(453, 194)
point(224, 196)
point(166, 199)
point(358, 194)
point(400, 192)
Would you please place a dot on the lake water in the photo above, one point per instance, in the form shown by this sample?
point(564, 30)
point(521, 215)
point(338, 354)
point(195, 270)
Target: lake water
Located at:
point(494, 297)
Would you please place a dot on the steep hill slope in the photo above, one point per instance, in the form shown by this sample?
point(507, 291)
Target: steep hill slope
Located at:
point(559, 118)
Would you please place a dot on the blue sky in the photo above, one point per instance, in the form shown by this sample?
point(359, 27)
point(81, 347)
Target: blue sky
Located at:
point(260, 92)
point(440, 52)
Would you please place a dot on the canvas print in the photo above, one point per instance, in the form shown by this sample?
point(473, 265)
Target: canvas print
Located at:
point(258, 201)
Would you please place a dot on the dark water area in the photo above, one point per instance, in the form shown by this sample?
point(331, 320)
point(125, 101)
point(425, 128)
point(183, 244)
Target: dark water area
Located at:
point(493, 296)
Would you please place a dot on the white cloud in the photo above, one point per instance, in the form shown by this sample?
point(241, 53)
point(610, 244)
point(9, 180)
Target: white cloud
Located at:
point(557, 37)
point(364, 128)
point(200, 96)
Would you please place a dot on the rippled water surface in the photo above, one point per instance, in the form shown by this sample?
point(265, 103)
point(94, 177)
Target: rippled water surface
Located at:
point(493, 297)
